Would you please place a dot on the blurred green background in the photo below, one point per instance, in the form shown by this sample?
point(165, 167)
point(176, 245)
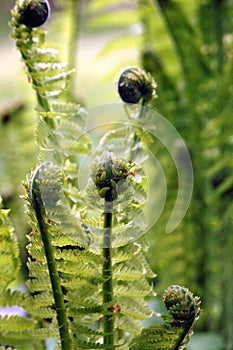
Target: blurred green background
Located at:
point(188, 47)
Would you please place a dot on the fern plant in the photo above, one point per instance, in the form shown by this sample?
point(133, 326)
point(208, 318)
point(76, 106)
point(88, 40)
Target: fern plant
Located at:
point(195, 93)
point(88, 276)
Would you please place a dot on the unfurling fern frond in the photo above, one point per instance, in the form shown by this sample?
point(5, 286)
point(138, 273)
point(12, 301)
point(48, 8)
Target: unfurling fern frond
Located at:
point(174, 334)
point(79, 266)
point(49, 78)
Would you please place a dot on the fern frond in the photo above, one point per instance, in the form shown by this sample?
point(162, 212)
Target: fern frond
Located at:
point(135, 308)
point(125, 253)
point(139, 289)
point(75, 255)
point(82, 344)
point(95, 221)
point(9, 251)
point(14, 330)
point(44, 333)
point(39, 285)
point(142, 261)
point(85, 330)
point(8, 298)
point(157, 338)
point(127, 324)
point(42, 313)
point(123, 272)
point(71, 267)
point(49, 78)
point(175, 333)
point(76, 312)
point(12, 323)
point(39, 300)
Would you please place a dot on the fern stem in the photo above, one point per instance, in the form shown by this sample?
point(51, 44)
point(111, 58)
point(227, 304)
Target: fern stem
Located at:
point(108, 319)
point(53, 273)
point(181, 339)
point(42, 101)
point(136, 137)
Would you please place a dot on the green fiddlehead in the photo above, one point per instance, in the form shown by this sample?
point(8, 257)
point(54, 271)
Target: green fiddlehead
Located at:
point(174, 334)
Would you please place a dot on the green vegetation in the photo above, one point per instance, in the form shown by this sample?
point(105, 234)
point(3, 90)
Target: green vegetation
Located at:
point(86, 283)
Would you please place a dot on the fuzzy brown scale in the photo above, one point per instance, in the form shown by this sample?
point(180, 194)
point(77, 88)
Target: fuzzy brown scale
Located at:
point(115, 308)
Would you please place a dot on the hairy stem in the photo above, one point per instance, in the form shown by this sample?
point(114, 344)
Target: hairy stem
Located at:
point(42, 100)
point(108, 320)
point(53, 273)
point(181, 339)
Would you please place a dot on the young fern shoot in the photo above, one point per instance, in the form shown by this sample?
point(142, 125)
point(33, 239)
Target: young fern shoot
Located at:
point(108, 320)
point(109, 174)
point(38, 206)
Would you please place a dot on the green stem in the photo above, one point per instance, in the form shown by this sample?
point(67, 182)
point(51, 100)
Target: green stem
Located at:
point(136, 137)
point(39, 209)
point(42, 101)
point(108, 319)
point(181, 339)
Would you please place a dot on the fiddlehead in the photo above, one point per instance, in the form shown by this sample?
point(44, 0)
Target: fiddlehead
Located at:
point(49, 78)
point(174, 334)
point(34, 13)
point(135, 84)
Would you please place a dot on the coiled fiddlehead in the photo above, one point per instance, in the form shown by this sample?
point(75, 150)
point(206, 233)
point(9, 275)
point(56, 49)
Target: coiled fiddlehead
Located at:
point(135, 84)
point(174, 334)
point(43, 71)
point(34, 13)
point(184, 307)
point(49, 77)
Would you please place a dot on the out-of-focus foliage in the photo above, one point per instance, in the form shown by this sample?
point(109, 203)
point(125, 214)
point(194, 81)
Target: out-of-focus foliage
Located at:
point(194, 77)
